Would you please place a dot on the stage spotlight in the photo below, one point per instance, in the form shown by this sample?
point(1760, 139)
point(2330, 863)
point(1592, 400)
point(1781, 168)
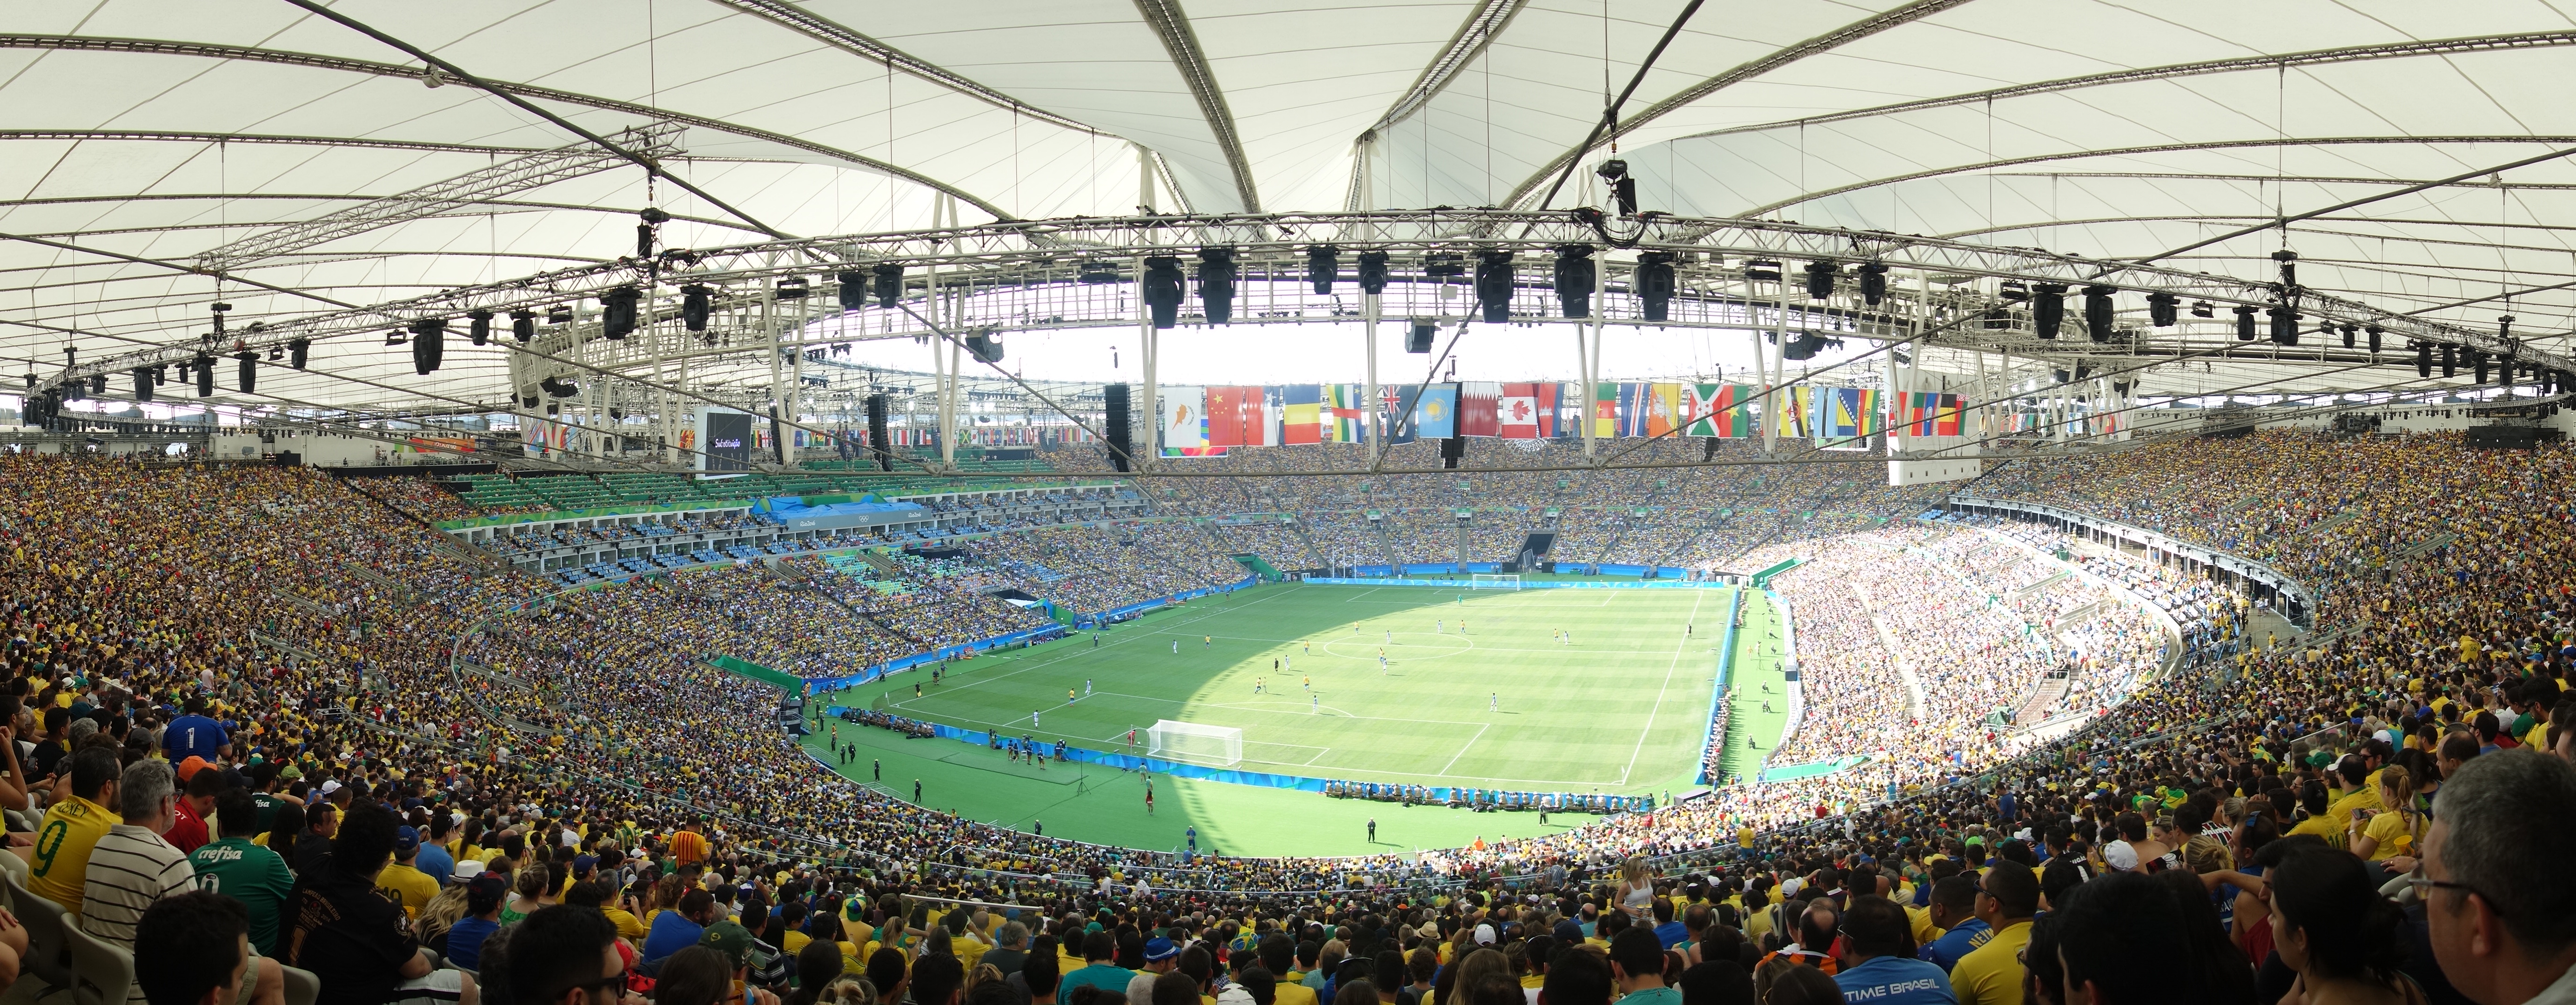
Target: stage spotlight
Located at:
point(1094, 273)
point(617, 312)
point(297, 352)
point(2098, 311)
point(1444, 265)
point(2478, 365)
point(523, 326)
point(248, 373)
point(1323, 265)
point(1653, 284)
point(2450, 361)
point(479, 327)
point(1820, 279)
point(2203, 309)
point(984, 345)
point(1873, 282)
point(2245, 322)
point(1372, 269)
point(1163, 289)
point(2373, 331)
point(696, 302)
point(2048, 308)
point(1418, 338)
point(792, 288)
point(2162, 309)
point(2285, 325)
point(2350, 330)
point(854, 290)
point(1216, 284)
point(204, 366)
point(1623, 189)
point(1574, 277)
point(2013, 290)
point(143, 383)
point(1494, 285)
point(559, 314)
point(1762, 270)
point(2424, 360)
point(1997, 319)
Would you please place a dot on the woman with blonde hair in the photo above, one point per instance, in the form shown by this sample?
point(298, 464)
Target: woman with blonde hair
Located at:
point(1636, 889)
point(2398, 828)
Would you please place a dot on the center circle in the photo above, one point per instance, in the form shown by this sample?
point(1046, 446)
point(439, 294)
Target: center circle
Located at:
point(1407, 646)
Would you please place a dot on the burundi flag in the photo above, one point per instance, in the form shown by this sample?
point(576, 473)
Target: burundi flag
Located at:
point(1717, 409)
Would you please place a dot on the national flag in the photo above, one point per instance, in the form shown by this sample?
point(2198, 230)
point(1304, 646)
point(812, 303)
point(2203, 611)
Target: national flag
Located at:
point(1631, 415)
point(1225, 416)
point(1350, 414)
point(1184, 417)
point(1717, 409)
point(1479, 408)
point(1796, 408)
point(1605, 409)
point(1435, 413)
point(1517, 414)
point(1547, 399)
point(1947, 415)
point(1301, 414)
point(1663, 409)
point(1269, 417)
point(1393, 399)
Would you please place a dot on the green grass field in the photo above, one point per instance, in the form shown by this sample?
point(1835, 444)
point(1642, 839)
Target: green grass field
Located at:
point(1503, 704)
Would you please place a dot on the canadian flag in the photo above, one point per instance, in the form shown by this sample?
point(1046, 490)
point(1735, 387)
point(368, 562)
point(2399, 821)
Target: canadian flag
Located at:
point(1519, 409)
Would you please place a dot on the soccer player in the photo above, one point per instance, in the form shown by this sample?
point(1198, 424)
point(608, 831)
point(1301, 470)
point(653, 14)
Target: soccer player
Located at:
point(1207, 641)
point(1310, 646)
point(1149, 795)
point(1086, 686)
point(1033, 720)
point(1381, 662)
point(1068, 696)
point(1310, 683)
point(1372, 830)
point(1176, 647)
point(1494, 702)
point(916, 689)
point(1439, 627)
point(1318, 706)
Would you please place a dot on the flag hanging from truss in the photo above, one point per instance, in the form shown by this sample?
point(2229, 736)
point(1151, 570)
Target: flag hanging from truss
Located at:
point(1717, 409)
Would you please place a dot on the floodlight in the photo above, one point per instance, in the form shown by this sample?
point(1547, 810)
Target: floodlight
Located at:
point(1372, 270)
point(1653, 284)
point(1574, 277)
point(1494, 285)
point(1163, 288)
point(1820, 279)
point(1216, 284)
point(1323, 265)
point(2048, 308)
point(696, 301)
point(2162, 309)
point(617, 311)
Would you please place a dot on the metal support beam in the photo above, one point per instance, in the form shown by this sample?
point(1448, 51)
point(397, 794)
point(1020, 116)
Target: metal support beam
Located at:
point(1182, 43)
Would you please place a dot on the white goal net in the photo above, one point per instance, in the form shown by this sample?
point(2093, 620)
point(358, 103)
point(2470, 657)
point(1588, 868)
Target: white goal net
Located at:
point(1494, 581)
point(1195, 743)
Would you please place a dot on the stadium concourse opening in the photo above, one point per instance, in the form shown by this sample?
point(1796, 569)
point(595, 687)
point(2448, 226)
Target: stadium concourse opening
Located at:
point(1617, 681)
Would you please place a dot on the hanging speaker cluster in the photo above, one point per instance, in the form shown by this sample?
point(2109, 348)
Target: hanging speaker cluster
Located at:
point(1494, 285)
point(428, 348)
point(247, 374)
point(203, 365)
point(1654, 284)
point(1116, 425)
point(878, 449)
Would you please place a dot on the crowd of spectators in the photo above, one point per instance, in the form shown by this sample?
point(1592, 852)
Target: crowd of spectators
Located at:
point(2313, 812)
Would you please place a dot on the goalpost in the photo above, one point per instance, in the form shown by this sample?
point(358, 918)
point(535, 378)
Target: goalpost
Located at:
point(1494, 581)
point(1194, 743)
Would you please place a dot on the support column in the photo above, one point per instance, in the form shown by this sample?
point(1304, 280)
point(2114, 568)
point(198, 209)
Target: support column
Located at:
point(1370, 306)
point(1592, 359)
point(1147, 344)
point(1776, 361)
point(1144, 181)
point(770, 321)
point(793, 407)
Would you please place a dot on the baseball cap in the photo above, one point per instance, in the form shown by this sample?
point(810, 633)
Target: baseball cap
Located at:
point(1158, 950)
point(188, 768)
point(733, 940)
point(584, 863)
point(406, 840)
point(484, 893)
point(1484, 935)
point(330, 785)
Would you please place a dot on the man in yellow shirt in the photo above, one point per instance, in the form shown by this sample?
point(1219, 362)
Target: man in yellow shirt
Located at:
point(58, 863)
point(402, 882)
point(1992, 974)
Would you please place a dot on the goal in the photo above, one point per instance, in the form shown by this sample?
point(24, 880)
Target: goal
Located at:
point(1195, 743)
point(1494, 581)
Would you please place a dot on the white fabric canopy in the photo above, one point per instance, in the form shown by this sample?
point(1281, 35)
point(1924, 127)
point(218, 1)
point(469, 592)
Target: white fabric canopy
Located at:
point(139, 135)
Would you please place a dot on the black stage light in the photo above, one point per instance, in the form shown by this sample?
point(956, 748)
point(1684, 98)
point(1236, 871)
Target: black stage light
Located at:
point(2350, 330)
point(204, 367)
point(696, 303)
point(2203, 309)
point(617, 312)
point(395, 337)
point(1163, 289)
point(2163, 309)
point(296, 353)
point(1094, 273)
point(1372, 271)
point(1574, 277)
point(984, 346)
point(248, 375)
point(1444, 265)
point(559, 314)
point(2047, 308)
point(889, 281)
point(1418, 339)
point(2450, 361)
point(523, 326)
point(2373, 332)
point(2478, 365)
point(1762, 270)
point(2245, 322)
point(1997, 319)
point(1494, 285)
point(2285, 324)
point(160, 374)
point(1323, 265)
point(2098, 311)
point(1873, 282)
point(1820, 279)
point(1216, 284)
point(854, 290)
point(2013, 290)
point(480, 328)
point(1803, 347)
point(142, 383)
point(428, 345)
point(2504, 329)
point(2424, 360)
point(792, 288)
point(1653, 284)
point(98, 385)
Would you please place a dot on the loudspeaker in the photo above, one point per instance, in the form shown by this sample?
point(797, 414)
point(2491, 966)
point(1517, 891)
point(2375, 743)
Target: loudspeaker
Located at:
point(142, 383)
point(1114, 400)
point(877, 446)
point(1452, 450)
point(985, 345)
point(428, 345)
point(204, 364)
point(249, 373)
point(617, 312)
point(1418, 340)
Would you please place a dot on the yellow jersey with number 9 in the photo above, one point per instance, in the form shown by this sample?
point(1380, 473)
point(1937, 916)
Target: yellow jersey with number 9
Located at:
point(59, 862)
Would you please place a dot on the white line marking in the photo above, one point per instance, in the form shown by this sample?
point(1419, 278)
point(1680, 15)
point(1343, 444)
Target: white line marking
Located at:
point(1462, 749)
point(1659, 691)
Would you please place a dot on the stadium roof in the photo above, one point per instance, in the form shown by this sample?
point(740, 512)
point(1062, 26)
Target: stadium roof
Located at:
point(288, 155)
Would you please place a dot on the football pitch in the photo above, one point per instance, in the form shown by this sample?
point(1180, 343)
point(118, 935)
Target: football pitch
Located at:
point(1566, 690)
